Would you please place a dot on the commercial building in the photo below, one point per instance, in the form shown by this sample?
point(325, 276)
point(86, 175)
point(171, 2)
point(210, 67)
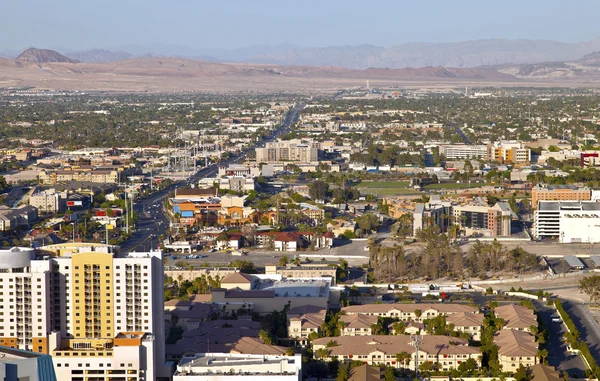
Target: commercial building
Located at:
point(509, 152)
point(569, 221)
point(463, 151)
point(269, 295)
point(239, 367)
point(289, 150)
point(238, 170)
point(444, 352)
point(94, 311)
point(49, 201)
point(559, 193)
point(303, 271)
point(19, 365)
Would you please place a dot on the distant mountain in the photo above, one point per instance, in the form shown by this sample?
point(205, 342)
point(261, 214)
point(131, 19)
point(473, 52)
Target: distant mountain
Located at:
point(460, 54)
point(99, 56)
point(35, 55)
point(585, 69)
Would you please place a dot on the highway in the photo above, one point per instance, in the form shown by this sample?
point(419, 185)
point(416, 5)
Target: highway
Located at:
point(153, 222)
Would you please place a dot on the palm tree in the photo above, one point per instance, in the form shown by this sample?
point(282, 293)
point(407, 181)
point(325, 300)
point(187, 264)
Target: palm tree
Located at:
point(542, 354)
point(401, 358)
point(322, 353)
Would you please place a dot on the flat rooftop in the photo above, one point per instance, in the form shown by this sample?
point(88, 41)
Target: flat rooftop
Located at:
point(555, 206)
point(296, 287)
point(225, 363)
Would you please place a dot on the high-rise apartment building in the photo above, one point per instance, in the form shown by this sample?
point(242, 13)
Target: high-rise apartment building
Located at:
point(289, 150)
point(99, 314)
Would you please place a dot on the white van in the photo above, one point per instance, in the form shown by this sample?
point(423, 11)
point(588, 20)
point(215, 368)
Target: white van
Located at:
point(556, 320)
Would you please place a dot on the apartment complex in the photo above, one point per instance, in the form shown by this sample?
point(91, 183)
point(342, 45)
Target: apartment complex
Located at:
point(473, 219)
point(569, 221)
point(482, 219)
point(407, 312)
point(96, 312)
point(102, 176)
point(463, 151)
point(12, 218)
point(515, 348)
point(559, 193)
point(445, 352)
point(304, 320)
point(288, 150)
point(516, 317)
point(49, 201)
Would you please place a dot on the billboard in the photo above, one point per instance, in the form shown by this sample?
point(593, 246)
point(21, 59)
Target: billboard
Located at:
point(74, 203)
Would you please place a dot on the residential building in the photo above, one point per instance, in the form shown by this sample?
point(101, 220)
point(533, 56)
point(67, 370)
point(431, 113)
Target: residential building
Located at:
point(445, 352)
point(12, 218)
point(339, 227)
point(366, 373)
point(431, 214)
point(288, 150)
point(19, 365)
point(49, 201)
point(410, 312)
point(467, 322)
point(541, 372)
point(304, 320)
point(103, 176)
point(559, 193)
point(516, 317)
point(569, 221)
point(95, 311)
point(233, 211)
point(463, 151)
point(515, 348)
point(357, 324)
point(253, 367)
point(482, 219)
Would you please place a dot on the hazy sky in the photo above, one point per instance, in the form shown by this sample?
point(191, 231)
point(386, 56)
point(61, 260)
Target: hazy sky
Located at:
point(84, 24)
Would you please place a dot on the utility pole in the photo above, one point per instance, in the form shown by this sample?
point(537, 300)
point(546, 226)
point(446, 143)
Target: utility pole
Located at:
point(126, 212)
point(415, 340)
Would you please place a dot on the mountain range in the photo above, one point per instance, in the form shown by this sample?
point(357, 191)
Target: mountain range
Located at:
point(44, 68)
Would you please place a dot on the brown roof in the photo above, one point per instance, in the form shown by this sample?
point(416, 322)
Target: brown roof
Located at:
point(446, 308)
point(236, 278)
point(541, 372)
point(358, 320)
point(365, 345)
point(516, 316)
point(201, 298)
point(234, 294)
point(511, 342)
point(178, 303)
point(195, 192)
point(366, 373)
point(309, 316)
point(254, 346)
point(465, 319)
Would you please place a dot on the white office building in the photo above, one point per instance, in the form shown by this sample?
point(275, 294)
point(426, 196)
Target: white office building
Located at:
point(568, 221)
point(239, 367)
point(463, 151)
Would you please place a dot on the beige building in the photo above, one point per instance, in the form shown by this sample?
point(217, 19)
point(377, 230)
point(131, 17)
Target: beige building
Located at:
point(103, 176)
point(239, 281)
point(515, 348)
point(447, 352)
point(357, 324)
point(559, 193)
point(467, 322)
point(288, 150)
point(516, 317)
point(48, 201)
point(410, 311)
point(304, 320)
point(317, 271)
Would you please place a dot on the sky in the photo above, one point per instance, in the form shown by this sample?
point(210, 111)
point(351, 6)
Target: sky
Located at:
point(81, 25)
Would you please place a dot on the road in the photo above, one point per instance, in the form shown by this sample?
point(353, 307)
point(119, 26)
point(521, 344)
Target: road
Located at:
point(152, 222)
point(589, 330)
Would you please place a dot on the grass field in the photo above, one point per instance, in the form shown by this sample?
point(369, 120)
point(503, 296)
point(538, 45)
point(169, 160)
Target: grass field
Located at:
point(383, 184)
point(453, 186)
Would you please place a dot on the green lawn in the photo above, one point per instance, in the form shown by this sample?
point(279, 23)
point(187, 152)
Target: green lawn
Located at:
point(390, 191)
point(454, 186)
point(383, 184)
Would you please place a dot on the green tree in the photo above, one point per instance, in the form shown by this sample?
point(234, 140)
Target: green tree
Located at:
point(590, 285)
point(342, 374)
point(317, 190)
point(283, 261)
point(521, 374)
point(389, 374)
